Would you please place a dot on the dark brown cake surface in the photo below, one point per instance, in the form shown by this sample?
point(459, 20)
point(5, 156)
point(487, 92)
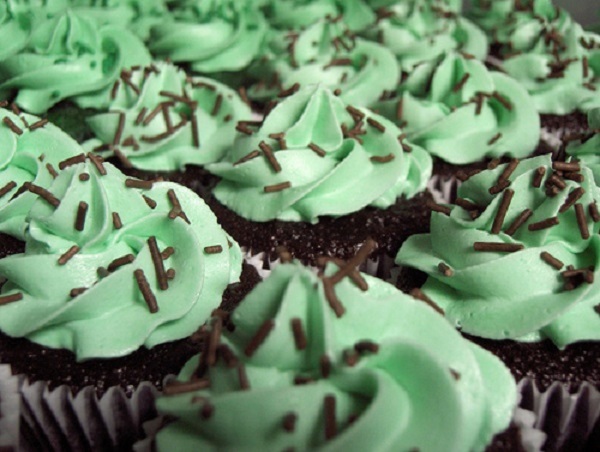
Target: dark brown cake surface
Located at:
point(60, 367)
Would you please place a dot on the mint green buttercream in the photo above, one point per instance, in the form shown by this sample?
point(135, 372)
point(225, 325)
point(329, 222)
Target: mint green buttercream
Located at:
point(212, 36)
point(516, 295)
point(107, 316)
point(425, 377)
point(421, 30)
point(324, 170)
point(69, 56)
point(25, 157)
point(544, 49)
point(460, 120)
point(299, 14)
point(137, 15)
point(325, 52)
point(195, 129)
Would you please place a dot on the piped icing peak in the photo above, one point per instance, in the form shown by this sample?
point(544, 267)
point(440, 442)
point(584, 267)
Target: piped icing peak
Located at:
point(161, 119)
point(113, 263)
point(459, 111)
point(524, 253)
point(329, 380)
point(69, 56)
point(30, 153)
point(314, 155)
point(326, 52)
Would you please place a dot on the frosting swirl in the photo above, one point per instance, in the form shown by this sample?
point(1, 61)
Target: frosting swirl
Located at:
point(112, 264)
point(459, 111)
point(547, 52)
point(422, 30)
point(69, 56)
point(160, 119)
point(522, 261)
point(369, 385)
point(298, 14)
point(31, 150)
point(212, 36)
point(327, 53)
point(318, 157)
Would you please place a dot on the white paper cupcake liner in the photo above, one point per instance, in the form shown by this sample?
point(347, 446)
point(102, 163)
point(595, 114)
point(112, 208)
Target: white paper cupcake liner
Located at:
point(58, 420)
point(571, 422)
point(10, 408)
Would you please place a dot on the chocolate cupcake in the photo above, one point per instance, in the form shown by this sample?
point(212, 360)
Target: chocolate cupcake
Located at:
point(318, 176)
point(328, 374)
point(516, 261)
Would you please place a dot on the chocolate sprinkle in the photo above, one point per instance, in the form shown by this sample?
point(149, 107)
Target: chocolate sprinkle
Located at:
point(97, 161)
point(213, 340)
point(116, 220)
point(298, 332)
point(43, 193)
point(382, 158)
point(502, 209)
point(151, 202)
point(497, 247)
point(65, 257)
point(144, 287)
point(544, 224)
point(538, 176)
point(582, 221)
point(80, 217)
point(176, 388)
point(329, 403)
point(325, 366)
point(519, 221)
point(277, 187)
point(571, 199)
point(445, 269)
point(71, 161)
point(420, 295)
point(243, 377)
point(551, 260)
point(270, 156)
point(316, 149)
point(8, 187)
point(214, 249)
point(289, 422)
point(10, 298)
point(593, 210)
point(12, 126)
point(120, 261)
point(157, 260)
point(137, 183)
point(259, 337)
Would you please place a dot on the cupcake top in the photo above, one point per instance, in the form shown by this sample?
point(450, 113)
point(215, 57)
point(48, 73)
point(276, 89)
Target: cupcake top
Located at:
point(586, 147)
point(421, 30)
point(212, 36)
point(161, 119)
point(461, 112)
point(69, 56)
point(544, 49)
point(518, 256)
point(327, 379)
point(300, 14)
point(137, 15)
point(313, 155)
point(113, 263)
point(31, 151)
point(326, 52)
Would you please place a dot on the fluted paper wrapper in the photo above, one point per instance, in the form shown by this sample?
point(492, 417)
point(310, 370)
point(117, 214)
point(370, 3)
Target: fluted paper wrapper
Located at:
point(571, 422)
point(58, 420)
point(10, 408)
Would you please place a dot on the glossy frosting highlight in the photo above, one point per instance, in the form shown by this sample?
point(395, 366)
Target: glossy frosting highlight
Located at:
point(83, 273)
point(386, 378)
point(313, 155)
point(544, 285)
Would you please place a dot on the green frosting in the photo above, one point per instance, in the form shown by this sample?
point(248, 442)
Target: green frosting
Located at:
point(318, 157)
point(460, 112)
point(421, 377)
point(137, 15)
point(164, 120)
point(213, 35)
point(299, 14)
point(422, 30)
point(69, 57)
point(25, 156)
point(327, 53)
point(554, 58)
point(89, 303)
point(587, 147)
point(516, 295)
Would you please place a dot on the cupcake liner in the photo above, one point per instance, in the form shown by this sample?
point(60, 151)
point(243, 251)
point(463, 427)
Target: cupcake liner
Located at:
point(58, 420)
point(570, 421)
point(9, 409)
point(443, 188)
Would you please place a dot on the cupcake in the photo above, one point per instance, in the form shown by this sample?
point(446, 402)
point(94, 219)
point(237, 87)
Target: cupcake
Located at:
point(211, 37)
point(300, 347)
point(160, 122)
point(515, 262)
point(552, 56)
point(69, 57)
point(313, 173)
point(326, 52)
